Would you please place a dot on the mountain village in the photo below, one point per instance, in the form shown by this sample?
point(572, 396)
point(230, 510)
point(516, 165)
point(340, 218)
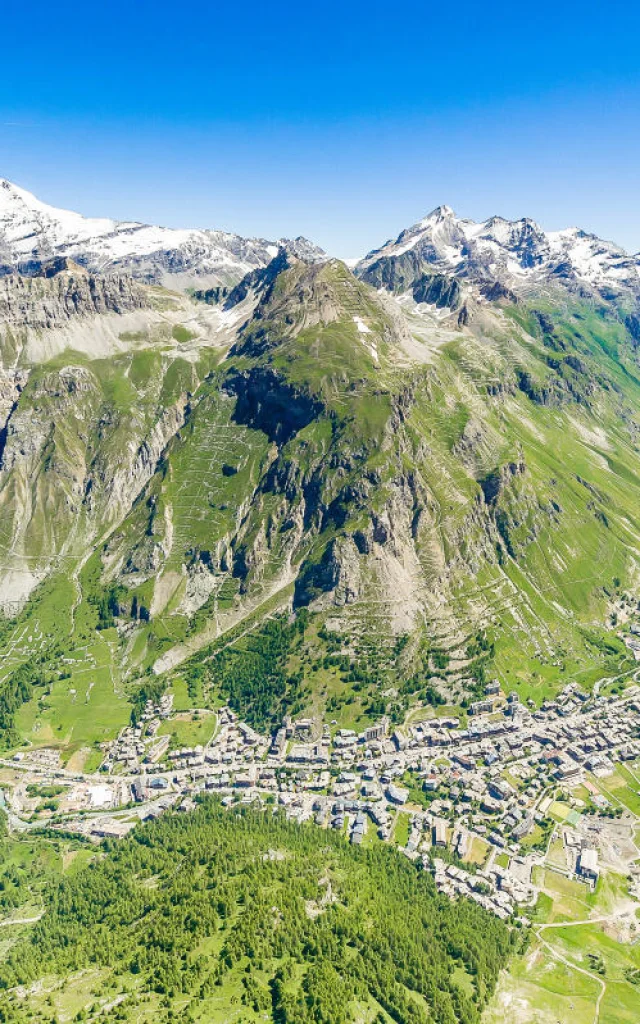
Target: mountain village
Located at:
point(483, 807)
point(469, 394)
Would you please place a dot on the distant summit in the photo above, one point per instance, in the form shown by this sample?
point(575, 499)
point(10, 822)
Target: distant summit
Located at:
point(518, 254)
point(32, 231)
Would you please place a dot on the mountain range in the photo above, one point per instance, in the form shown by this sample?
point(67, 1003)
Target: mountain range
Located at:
point(31, 231)
point(519, 253)
point(434, 454)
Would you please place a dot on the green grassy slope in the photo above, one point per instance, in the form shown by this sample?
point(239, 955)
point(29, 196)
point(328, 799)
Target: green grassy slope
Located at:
point(449, 509)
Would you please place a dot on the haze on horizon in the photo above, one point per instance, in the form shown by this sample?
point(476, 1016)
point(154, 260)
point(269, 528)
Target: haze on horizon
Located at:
point(344, 125)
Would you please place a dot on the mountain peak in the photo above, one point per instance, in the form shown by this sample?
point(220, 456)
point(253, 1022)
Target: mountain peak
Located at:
point(439, 213)
point(11, 194)
point(517, 254)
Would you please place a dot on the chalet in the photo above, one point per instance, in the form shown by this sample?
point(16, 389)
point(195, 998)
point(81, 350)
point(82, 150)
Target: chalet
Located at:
point(397, 795)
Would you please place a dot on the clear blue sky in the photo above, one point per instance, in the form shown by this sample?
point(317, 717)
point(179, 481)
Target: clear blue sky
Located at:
point(341, 121)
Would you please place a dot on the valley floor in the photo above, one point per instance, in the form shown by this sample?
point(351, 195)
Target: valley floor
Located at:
point(503, 811)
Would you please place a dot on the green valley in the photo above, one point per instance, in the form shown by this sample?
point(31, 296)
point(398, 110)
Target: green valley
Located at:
point(320, 630)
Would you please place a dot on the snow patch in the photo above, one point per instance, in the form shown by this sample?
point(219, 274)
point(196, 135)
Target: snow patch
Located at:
point(370, 346)
point(360, 324)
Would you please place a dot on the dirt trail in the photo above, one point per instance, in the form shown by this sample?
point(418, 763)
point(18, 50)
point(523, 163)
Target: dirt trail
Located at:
point(574, 967)
point(21, 920)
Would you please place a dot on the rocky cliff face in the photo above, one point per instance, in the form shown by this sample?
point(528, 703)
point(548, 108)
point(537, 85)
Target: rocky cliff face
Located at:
point(11, 384)
point(74, 454)
point(405, 273)
point(60, 291)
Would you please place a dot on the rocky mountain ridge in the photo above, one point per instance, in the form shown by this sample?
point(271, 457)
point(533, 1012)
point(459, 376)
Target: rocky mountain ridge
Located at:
point(32, 231)
point(518, 255)
point(62, 290)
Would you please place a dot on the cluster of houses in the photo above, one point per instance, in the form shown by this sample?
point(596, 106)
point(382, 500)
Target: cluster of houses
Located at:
point(140, 743)
point(495, 889)
point(490, 777)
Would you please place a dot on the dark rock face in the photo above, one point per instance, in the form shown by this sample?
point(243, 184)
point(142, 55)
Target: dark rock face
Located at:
point(464, 316)
point(47, 268)
point(337, 573)
point(317, 578)
point(563, 270)
point(396, 273)
point(400, 273)
point(498, 292)
point(211, 296)
point(632, 323)
point(4, 431)
point(439, 290)
point(495, 482)
point(265, 402)
point(577, 364)
point(529, 244)
point(259, 280)
point(550, 393)
point(545, 322)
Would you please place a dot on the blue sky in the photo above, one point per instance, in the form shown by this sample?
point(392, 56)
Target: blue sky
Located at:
point(343, 121)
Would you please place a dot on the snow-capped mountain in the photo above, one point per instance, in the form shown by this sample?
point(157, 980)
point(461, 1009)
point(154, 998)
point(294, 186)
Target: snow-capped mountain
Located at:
point(518, 254)
point(32, 231)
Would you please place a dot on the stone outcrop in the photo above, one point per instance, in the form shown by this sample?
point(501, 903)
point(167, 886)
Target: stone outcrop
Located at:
point(62, 291)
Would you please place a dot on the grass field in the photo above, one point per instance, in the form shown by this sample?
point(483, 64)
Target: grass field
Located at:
point(82, 710)
point(401, 832)
point(190, 729)
point(559, 811)
point(541, 990)
point(478, 851)
point(569, 962)
point(620, 788)
point(556, 854)
point(534, 837)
